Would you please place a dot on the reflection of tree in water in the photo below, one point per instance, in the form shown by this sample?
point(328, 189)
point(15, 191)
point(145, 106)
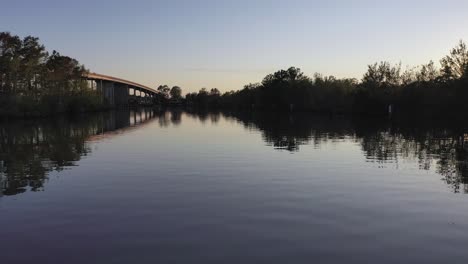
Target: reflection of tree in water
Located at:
point(441, 148)
point(163, 119)
point(167, 118)
point(203, 115)
point(29, 150)
point(176, 117)
point(289, 132)
point(382, 141)
point(453, 166)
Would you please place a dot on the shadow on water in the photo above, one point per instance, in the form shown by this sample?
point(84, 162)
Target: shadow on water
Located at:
point(30, 150)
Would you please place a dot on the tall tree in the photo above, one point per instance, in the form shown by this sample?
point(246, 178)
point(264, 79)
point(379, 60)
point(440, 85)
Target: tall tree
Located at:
point(427, 73)
point(455, 65)
point(64, 73)
point(10, 60)
point(176, 92)
point(33, 58)
point(164, 90)
point(215, 92)
point(382, 74)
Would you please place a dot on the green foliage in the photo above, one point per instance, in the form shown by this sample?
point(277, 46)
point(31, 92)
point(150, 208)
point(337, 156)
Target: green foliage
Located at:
point(32, 82)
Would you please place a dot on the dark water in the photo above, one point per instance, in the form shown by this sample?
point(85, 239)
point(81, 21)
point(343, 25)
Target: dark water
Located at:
point(147, 187)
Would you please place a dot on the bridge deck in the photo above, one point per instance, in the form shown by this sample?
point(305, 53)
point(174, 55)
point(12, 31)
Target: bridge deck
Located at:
point(98, 77)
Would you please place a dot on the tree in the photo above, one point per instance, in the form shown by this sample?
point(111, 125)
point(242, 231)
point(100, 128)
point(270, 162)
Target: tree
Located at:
point(215, 92)
point(382, 74)
point(289, 75)
point(10, 47)
point(203, 91)
point(33, 59)
point(32, 81)
point(164, 91)
point(409, 76)
point(427, 73)
point(64, 73)
point(176, 92)
point(455, 65)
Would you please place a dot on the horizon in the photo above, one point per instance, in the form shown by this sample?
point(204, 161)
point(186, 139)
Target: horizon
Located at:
point(228, 45)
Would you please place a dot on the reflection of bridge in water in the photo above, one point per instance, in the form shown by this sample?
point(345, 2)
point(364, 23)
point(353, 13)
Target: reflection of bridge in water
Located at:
point(30, 150)
point(121, 92)
point(123, 121)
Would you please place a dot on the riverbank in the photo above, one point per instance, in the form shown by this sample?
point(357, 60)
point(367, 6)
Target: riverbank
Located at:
point(29, 107)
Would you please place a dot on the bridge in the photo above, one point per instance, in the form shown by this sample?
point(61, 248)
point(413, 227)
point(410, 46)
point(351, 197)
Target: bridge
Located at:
point(120, 92)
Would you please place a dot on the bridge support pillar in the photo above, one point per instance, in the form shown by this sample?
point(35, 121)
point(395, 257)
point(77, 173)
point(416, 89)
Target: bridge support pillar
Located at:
point(116, 92)
point(100, 89)
point(121, 95)
point(109, 92)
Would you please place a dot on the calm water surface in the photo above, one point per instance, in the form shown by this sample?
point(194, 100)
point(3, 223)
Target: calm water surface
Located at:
point(176, 187)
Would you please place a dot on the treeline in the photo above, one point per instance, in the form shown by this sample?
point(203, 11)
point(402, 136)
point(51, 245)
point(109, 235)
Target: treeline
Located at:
point(34, 82)
point(169, 96)
point(425, 89)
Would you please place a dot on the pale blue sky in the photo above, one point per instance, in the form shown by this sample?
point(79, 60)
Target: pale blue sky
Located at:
point(227, 44)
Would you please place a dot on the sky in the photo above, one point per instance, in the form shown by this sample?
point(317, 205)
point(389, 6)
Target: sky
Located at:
point(227, 44)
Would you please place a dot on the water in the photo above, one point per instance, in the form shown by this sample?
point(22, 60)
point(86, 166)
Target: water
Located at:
point(176, 187)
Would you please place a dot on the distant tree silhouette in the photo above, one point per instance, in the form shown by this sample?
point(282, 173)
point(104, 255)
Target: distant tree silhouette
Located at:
point(426, 89)
point(382, 75)
point(455, 65)
point(164, 90)
point(428, 73)
point(176, 93)
point(215, 92)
